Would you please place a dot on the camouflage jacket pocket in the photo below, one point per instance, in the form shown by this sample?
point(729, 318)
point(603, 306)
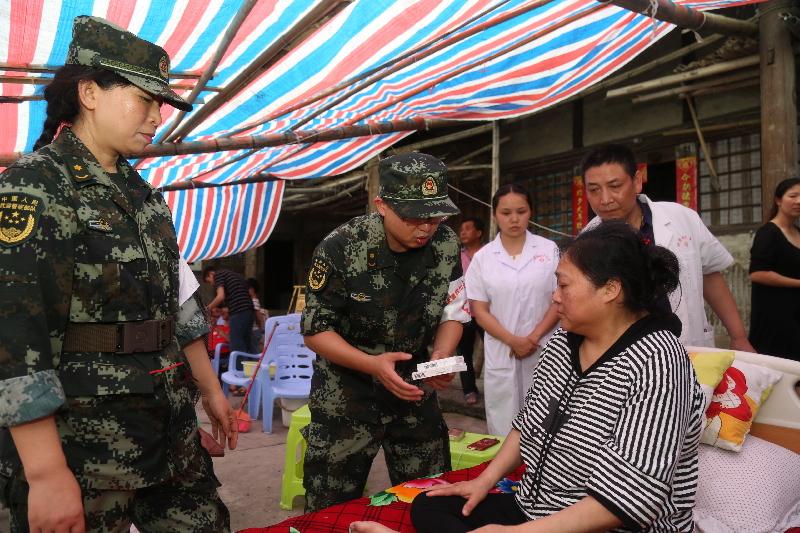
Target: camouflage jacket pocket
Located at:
point(368, 323)
point(109, 282)
point(94, 378)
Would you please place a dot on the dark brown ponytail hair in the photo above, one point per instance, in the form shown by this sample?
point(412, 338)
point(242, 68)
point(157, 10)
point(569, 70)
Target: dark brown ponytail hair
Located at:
point(61, 95)
point(613, 250)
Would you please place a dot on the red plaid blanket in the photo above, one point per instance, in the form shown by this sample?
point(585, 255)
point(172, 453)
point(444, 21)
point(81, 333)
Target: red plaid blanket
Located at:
point(337, 518)
point(396, 515)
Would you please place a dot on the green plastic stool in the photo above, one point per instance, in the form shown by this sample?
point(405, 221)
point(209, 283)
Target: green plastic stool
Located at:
point(462, 457)
point(292, 479)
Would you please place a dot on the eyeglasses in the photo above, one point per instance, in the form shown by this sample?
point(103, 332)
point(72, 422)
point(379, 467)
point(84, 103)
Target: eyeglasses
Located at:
point(433, 221)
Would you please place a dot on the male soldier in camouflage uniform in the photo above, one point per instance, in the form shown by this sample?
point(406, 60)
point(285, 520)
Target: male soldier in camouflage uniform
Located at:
point(91, 337)
point(377, 297)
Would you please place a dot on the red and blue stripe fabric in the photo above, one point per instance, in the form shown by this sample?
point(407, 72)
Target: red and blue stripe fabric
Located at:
point(486, 65)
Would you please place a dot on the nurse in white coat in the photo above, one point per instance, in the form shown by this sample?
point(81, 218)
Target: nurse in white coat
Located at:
point(510, 284)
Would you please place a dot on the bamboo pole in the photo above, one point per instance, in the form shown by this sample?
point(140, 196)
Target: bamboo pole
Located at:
point(451, 74)
point(190, 184)
point(255, 68)
point(416, 58)
point(42, 80)
point(691, 89)
point(20, 99)
point(256, 142)
point(274, 139)
point(50, 69)
point(706, 152)
point(230, 34)
point(469, 167)
point(410, 55)
point(752, 82)
point(659, 83)
point(495, 174)
point(688, 18)
point(372, 185)
point(471, 66)
point(609, 82)
point(714, 127)
point(333, 184)
point(347, 192)
point(464, 134)
point(479, 151)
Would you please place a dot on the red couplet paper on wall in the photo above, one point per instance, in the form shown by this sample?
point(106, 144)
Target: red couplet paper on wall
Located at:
point(580, 207)
point(641, 169)
point(686, 181)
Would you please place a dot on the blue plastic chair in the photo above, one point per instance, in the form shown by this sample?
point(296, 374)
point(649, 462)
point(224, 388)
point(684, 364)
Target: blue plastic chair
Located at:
point(281, 324)
point(293, 370)
point(217, 357)
point(237, 378)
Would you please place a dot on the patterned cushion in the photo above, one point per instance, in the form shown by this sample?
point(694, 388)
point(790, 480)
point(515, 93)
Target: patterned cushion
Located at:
point(709, 367)
point(735, 404)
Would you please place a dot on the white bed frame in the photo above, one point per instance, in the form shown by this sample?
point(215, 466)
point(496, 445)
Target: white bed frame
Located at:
point(778, 420)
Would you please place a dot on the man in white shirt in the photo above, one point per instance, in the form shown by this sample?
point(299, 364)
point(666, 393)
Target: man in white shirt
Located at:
point(613, 189)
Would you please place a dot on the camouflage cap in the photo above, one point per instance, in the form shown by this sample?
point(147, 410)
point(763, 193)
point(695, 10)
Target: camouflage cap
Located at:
point(101, 44)
point(415, 186)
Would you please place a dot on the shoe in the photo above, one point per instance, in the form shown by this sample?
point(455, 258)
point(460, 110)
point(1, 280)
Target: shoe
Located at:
point(471, 398)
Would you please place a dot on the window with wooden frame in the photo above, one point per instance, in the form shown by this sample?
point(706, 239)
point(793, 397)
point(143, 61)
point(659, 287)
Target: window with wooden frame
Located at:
point(552, 202)
point(737, 200)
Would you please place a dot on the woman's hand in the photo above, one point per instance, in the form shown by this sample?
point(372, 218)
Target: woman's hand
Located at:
point(521, 347)
point(223, 424)
point(55, 503)
point(474, 491)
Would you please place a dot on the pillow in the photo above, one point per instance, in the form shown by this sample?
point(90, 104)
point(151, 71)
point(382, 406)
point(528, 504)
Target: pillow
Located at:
point(755, 491)
point(735, 404)
point(709, 367)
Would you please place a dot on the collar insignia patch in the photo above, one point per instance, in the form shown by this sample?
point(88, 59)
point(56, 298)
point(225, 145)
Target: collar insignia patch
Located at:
point(318, 275)
point(99, 225)
point(19, 216)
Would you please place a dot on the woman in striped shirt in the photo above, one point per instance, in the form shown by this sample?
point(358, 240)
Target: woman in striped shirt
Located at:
point(610, 427)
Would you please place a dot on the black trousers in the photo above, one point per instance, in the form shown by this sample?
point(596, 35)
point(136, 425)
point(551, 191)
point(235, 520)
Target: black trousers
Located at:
point(466, 346)
point(442, 514)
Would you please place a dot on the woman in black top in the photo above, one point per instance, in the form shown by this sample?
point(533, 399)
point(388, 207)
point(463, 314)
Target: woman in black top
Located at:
point(775, 273)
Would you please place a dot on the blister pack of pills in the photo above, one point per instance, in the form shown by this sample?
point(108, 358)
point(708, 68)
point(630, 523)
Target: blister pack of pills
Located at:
point(447, 365)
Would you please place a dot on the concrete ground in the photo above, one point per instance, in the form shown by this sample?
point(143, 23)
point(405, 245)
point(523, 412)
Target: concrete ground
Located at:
point(251, 474)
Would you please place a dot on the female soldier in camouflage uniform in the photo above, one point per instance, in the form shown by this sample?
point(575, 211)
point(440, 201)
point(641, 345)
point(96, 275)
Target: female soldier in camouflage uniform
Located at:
point(96, 396)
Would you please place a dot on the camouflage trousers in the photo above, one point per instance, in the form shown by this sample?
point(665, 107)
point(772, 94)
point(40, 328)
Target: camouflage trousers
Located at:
point(341, 450)
point(187, 503)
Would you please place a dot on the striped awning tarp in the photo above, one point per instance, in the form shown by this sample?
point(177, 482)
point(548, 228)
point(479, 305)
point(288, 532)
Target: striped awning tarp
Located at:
point(471, 60)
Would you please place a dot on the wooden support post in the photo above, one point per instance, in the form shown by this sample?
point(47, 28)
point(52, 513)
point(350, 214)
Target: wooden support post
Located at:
point(495, 173)
point(250, 262)
point(452, 137)
point(372, 184)
point(778, 105)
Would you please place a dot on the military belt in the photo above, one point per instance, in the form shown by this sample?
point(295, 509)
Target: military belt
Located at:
point(122, 337)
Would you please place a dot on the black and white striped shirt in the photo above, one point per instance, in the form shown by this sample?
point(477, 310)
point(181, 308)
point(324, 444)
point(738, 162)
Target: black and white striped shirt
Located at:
point(237, 295)
point(625, 431)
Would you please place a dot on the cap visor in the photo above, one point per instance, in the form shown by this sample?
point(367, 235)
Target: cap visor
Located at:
point(158, 89)
point(424, 208)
